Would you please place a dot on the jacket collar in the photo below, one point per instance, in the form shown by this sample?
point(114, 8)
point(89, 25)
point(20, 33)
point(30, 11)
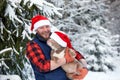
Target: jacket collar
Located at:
point(40, 38)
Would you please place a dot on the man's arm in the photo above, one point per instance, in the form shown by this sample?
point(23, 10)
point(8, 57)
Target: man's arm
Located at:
point(35, 55)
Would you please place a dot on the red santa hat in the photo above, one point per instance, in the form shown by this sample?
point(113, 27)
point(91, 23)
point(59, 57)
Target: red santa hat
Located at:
point(38, 21)
point(61, 38)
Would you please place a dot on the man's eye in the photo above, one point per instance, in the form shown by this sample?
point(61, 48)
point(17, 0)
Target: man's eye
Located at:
point(47, 26)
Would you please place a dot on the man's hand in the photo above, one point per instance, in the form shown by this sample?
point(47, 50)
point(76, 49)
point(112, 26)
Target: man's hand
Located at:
point(68, 57)
point(57, 64)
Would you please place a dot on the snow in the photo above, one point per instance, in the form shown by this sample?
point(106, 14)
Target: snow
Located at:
point(11, 12)
point(103, 76)
point(5, 50)
point(3, 63)
point(10, 77)
point(95, 39)
point(90, 76)
point(108, 75)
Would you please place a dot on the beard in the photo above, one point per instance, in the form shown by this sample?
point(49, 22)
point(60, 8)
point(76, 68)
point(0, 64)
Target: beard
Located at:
point(45, 35)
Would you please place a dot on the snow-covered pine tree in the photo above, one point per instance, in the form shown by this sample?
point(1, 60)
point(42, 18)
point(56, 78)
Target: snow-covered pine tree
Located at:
point(83, 20)
point(15, 18)
point(113, 23)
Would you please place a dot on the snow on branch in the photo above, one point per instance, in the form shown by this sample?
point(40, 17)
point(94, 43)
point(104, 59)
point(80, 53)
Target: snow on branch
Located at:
point(15, 50)
point(48, 8)
point(11, 13)
point(3, 59)
point(4, 64)
point(10, 77)
point(25, 34)
point(5, 50)
point(9, 49)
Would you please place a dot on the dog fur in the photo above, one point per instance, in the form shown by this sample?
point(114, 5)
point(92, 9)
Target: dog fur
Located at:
point(58, 51)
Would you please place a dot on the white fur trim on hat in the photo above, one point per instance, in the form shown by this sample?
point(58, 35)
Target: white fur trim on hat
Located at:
point(58, 40)
point(41, 23)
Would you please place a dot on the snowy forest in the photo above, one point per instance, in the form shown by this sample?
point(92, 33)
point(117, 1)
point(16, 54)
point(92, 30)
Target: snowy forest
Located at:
point(92, 25)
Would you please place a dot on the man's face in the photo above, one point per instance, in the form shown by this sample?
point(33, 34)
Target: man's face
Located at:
point(44, 31)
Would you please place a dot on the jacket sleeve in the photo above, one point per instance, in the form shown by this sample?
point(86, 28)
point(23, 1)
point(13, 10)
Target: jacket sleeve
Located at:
point(36, 56)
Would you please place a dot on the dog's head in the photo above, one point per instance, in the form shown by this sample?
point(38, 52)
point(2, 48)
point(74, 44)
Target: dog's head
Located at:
point(53, 44)
point(57, 50)
point(59, 42)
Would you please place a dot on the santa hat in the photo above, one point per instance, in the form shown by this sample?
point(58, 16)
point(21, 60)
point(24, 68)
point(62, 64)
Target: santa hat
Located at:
point(61, 38)
point(38, 21)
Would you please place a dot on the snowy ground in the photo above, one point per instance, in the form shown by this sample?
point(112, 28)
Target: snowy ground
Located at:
point(103, 76)
point(9, 77)
point(109, 75)
point(91, 76)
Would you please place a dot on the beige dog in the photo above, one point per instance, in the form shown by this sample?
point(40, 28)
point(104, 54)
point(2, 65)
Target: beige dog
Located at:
point(59, 52)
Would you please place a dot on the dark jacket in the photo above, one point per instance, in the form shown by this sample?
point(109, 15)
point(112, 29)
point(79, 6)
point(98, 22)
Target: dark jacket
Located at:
point(57, 74)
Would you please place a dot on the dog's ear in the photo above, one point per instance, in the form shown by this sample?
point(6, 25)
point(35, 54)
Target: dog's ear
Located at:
point(72, 52)
point(55, 44)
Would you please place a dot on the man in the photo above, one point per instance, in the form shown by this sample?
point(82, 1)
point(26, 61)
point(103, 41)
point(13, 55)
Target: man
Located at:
point(38, 52)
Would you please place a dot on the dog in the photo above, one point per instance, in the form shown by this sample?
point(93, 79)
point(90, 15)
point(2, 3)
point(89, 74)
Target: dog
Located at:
point(58, 51)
